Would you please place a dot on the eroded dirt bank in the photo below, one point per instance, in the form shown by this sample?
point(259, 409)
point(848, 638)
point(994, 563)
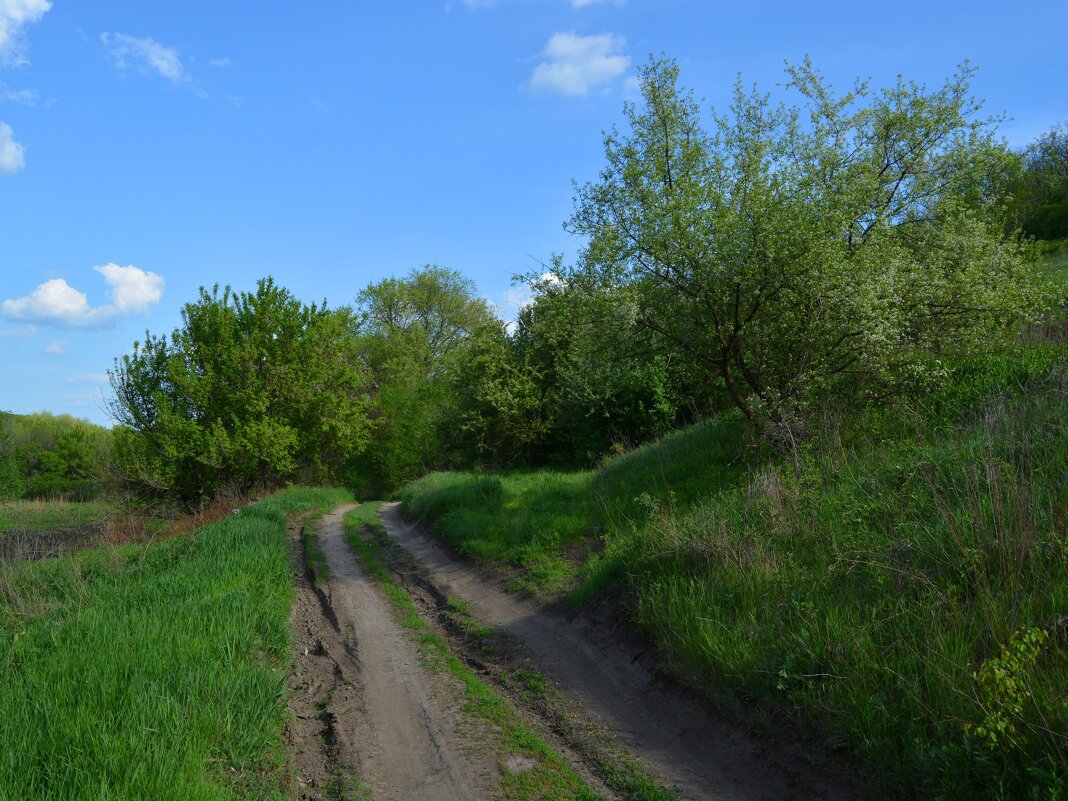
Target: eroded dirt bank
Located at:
point(368, 717)
point(610, 681)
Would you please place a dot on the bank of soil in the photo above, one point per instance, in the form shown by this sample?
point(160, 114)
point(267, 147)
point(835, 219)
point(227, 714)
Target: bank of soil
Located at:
point(609, 681)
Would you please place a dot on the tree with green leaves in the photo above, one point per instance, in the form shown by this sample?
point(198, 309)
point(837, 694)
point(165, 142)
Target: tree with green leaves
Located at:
point(10, 469)
point(603, 381)
point(409, 332)
point(498, 414)
point(1041, 191)
point(254, 389)
point(847, 243)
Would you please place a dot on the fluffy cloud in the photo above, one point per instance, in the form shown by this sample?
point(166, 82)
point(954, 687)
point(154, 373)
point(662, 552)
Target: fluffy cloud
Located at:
point(133, 291)
point(12, 158)
point(57, 303)
point(576, 64)
point(55, 347)
point(146, 55)
point(15, 15)
point(588, 3)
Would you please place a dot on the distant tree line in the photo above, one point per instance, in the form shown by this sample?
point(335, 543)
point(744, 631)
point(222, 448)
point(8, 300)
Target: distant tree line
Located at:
point(52, 456)
point(772, 259)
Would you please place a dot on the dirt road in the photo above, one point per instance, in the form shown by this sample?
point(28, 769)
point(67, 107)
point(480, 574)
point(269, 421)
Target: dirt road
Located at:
point(363, 703)
point(371, 720)
point(698, 754)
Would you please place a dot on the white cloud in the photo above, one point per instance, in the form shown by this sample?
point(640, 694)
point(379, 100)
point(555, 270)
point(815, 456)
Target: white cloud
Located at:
point(55, 347)
point(15, 15)
point(588, 3)
point(133, 291)
point(27, 97)
point(222, 63)
point(576, 64)
point(58, 304)
point(146, 55)
point(12, 158)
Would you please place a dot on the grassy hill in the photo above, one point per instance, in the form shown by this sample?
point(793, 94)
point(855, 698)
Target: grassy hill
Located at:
point(899, 587)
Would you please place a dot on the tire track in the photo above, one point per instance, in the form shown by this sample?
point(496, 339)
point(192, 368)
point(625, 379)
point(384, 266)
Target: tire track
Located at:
point(383, 717)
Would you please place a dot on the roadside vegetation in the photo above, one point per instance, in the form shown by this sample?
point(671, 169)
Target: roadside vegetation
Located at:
point(866, 538)
point(897, 589)
point(47, 514)
point(152, 671)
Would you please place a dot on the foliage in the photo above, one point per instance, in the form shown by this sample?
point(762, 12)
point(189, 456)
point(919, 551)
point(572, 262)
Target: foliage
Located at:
point(796, 250)
point(253, 389)
point(1040, 192)
point(499, 413)
point(52, 456)
point(602, 381)
point(410, 332)
point(1005, 684)
point(420, 319)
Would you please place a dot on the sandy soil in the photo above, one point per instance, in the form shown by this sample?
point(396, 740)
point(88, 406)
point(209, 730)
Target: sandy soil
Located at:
point(611, 679)
point(362, 702)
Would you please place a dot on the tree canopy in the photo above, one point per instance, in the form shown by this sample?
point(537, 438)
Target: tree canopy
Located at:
point(254, 388)
point(410, 332)
point(847, 240)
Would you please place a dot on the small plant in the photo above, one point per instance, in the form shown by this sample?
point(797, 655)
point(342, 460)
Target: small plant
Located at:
point(1004, 683)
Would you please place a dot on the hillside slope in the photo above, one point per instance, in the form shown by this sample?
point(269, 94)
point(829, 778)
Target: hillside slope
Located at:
point(898, 587)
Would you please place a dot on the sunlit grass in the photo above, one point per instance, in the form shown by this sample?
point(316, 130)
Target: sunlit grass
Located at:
point(153, 672)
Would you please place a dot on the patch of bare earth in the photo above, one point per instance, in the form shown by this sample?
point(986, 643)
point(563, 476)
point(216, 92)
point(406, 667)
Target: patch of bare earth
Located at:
point(607, 681)
point(368, 717)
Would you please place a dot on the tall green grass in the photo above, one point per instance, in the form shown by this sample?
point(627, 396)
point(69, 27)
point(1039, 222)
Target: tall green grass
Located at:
point(543, 521)
point(152, 672)
point(23, 515)
point(898, 588)
point(878, 594)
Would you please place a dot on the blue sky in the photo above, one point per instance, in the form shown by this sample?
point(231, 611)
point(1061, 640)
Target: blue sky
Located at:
point(147, 149)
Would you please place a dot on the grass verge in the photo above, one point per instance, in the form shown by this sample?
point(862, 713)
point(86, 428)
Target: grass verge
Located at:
point(156, 671)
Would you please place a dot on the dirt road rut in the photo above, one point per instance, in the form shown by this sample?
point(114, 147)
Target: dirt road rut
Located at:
point(364, 705)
